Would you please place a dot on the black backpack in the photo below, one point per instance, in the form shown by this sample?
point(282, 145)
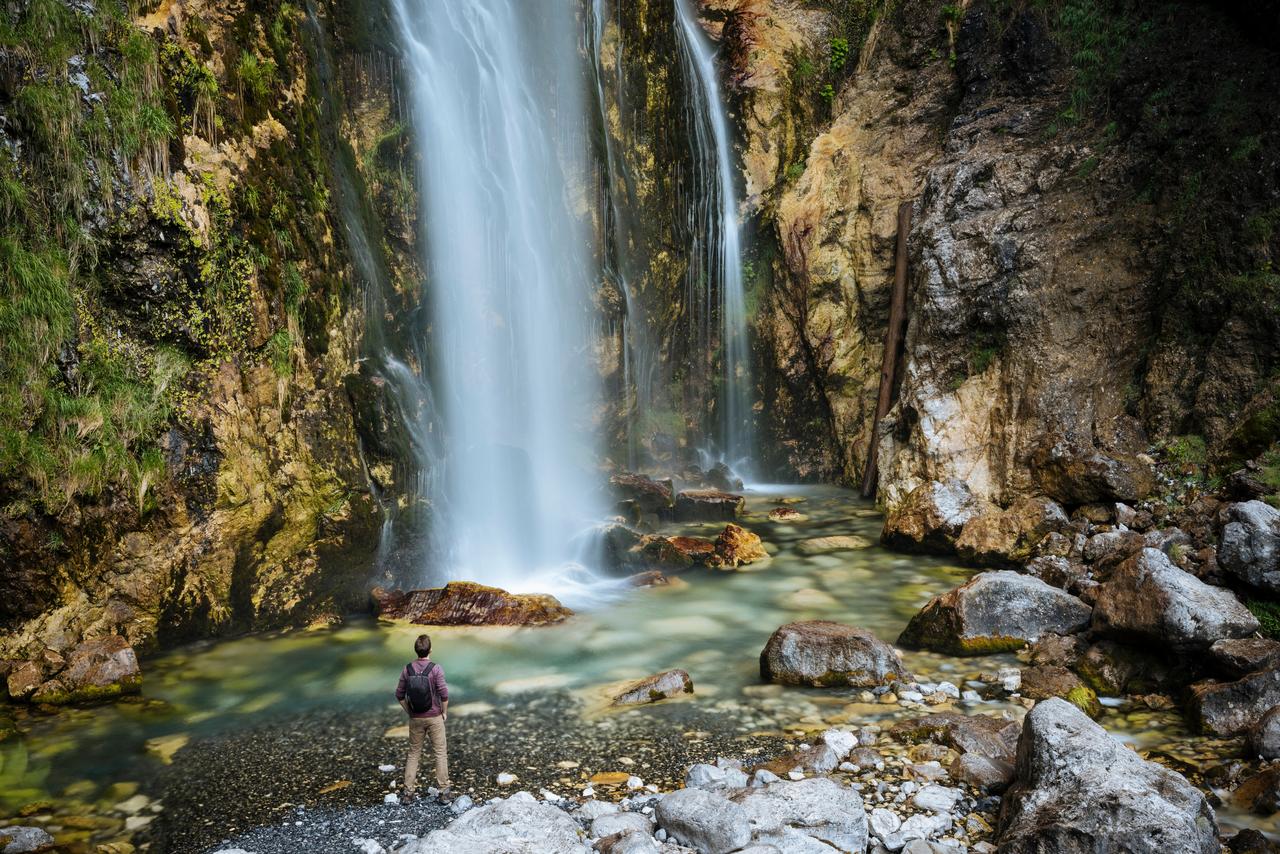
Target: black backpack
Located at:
point(420, 692)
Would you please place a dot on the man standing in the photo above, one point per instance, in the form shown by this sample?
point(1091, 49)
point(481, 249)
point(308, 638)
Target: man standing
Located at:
point(424, 695)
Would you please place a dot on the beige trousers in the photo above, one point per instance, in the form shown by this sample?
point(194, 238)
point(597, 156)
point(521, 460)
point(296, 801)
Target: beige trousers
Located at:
point(418, 730)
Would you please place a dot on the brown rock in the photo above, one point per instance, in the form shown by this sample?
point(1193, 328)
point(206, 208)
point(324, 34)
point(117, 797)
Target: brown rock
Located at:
point(465, 603)
point(1235, 657)
point(1260, 793)
point(982, 735)
point(1078, 474)
point(786, 514)
point(1041, 683)
point(651, 689)
point(24, 679)
point(1007, 538)
point(649, 496)
point(708, 505)
point(97, 669)
point(736, 546)
point(982, 772)
point(823, 653)
point(697, 549)
point(651, 578)
point(1231, 708)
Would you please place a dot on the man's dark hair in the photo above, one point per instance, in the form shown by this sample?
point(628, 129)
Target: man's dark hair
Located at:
point(422, 646)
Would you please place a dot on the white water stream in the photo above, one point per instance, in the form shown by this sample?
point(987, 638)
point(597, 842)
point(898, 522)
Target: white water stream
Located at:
point(498, 106)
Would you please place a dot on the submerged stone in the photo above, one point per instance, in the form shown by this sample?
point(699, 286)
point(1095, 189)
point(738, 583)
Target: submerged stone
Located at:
point(465, 603)
point(651, 689)
point(708, 505)
point(826, 545)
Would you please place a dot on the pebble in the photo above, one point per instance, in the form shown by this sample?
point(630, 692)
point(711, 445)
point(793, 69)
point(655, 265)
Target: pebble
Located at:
point(386, 769)
point(505, 779)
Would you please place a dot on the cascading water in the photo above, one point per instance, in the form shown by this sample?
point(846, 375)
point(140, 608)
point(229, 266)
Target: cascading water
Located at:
point(717, 251)
point(498, 109)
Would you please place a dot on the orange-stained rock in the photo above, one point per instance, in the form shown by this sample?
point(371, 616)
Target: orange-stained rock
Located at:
point(736, 546)
point(465, 603)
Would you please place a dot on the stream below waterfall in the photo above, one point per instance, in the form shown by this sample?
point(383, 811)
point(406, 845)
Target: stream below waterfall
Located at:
point(233, 734)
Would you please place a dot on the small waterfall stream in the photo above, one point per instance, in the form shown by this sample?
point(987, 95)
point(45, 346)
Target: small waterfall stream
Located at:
point(498, 105)
point(716, 268)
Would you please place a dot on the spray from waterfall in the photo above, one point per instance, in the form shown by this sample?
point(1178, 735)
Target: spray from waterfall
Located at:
point(716, 253)
point(497, 104)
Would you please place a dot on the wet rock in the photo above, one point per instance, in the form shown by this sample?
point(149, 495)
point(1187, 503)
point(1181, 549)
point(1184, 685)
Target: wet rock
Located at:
point(783, 814)
point(1058, 650)
point(1042, 683)
point(16, 839)
point(649, 578)
point(818, 759)
point(994, 612)
point(720, 476)
point(621, 823)
point(96, 669)
point(1076, 474)
point(708, 505)
point(519, 824)
point(704, 820)
point(651, 689)
point(1252, 841)
point(736, 546)
point(1260, 793)
point(648, 496)
point(675, 553)
point(786, 514)
point(24, 679)
point(981, 735)
point(465, 603)
point(1077, 789)
point(1149, 599)
point(1231, 708)
point(1235, 657)
point(931, 517)
point(1250, 544)
point(827, 545)
point(823, 653)
point(1264, 736)
point(1006, 538)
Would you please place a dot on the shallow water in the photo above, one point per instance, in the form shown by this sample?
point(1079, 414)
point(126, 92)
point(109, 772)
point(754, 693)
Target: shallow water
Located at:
point(714, 626)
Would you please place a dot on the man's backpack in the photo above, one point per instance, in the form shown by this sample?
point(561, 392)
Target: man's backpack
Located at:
point(420, 691)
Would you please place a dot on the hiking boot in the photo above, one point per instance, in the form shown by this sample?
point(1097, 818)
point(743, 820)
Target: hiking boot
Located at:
point(447, 797)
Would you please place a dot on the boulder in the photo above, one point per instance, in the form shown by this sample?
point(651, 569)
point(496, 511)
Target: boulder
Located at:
point(1149, 599)
point(1260, 793)
point(648, 496)
point(519, 824)
point(994, 612)
point(1235, 657)
point(691, 550)
point(1078, 474)
point(827, 545)
point(1250, 544)
point(982, 772)
point(931, 517)
point(981, 735)
point(1079, 790)
point(97, 669)
point(19, 839)
point(825, 654)
point(465, 603)
point(1056, 571)
point(651, 689)
point(1006, 538)
point(704, 820)
point(1264, 736)
point(708, 505)
point(784, 813)
point(1041, 683)
point(736, 546)
point(1231, 708)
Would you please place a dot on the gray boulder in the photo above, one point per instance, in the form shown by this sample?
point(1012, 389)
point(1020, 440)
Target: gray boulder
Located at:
point(1231, 708)
point(823, 653)
point(18, 839)
point(994, 612)
point(931, 517)
point(1149, 599)
point(1250, 545)
point(813, 813)
point(519, 824)
point(1078, 790)
point(621, 823)
point(704, 820)
point(1264, 736)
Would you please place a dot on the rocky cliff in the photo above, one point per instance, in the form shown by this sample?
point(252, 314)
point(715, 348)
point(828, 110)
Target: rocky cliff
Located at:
point(183, 317)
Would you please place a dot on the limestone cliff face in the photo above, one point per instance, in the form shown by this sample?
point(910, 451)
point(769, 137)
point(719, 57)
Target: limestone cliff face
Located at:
point(1090, 254)
point(187, 462)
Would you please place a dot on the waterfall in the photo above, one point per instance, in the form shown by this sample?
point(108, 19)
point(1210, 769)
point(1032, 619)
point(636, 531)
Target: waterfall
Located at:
point(497, 104)
point(716, 266)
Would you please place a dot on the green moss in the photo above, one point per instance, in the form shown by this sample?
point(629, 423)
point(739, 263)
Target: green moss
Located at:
point(1268, 613)
point(1084, 699)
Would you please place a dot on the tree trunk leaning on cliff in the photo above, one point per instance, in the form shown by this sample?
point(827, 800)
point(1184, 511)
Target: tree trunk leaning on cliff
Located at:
point(892, 344)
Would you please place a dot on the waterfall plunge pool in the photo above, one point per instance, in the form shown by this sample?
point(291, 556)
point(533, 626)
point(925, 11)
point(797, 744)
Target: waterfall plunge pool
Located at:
point(233, 734)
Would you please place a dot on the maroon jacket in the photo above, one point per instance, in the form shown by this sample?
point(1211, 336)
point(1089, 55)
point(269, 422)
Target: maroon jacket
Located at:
point(437, 682)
